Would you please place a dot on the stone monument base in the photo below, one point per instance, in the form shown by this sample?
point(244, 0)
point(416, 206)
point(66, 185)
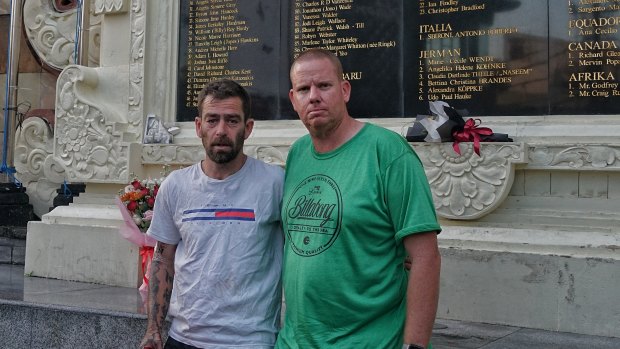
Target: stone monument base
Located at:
point(81, 242)
point(524, 265)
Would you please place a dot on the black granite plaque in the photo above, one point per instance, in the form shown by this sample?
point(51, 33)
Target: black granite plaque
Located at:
point(367, 37)
point(232, 39)
point(585, 57)
point(488, 57)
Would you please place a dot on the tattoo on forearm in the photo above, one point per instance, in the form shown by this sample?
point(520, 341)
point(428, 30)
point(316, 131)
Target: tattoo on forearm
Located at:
point(160, 249)
point(162, 278)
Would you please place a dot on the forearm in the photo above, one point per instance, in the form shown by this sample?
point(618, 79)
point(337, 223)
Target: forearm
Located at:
point(160, 289)
point(422, 292)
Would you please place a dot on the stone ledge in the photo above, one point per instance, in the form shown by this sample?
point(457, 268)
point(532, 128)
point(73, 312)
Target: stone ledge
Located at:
point(90, 214)
point(581, 244)
point(67, 327)
point(544, 279)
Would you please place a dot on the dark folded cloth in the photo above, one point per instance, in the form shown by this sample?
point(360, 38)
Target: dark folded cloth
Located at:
point(445, 130)
point(416, 133)
point(496, 137)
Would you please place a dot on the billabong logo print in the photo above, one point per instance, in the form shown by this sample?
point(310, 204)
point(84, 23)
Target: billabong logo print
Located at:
point(313, 215)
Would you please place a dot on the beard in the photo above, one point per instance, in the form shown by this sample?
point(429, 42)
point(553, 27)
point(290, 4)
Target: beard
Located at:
point(222, 156)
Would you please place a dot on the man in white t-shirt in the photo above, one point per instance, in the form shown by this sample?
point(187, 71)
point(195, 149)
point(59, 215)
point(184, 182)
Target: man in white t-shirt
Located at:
point(217, 263)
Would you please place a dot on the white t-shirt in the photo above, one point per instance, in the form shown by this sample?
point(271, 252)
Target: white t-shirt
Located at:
point(227, 290)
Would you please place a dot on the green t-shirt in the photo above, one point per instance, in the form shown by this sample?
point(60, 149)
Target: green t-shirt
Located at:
point(344, 215)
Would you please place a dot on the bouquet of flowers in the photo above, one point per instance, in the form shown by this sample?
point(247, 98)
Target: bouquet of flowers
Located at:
point(139, 198)
point(136, 202)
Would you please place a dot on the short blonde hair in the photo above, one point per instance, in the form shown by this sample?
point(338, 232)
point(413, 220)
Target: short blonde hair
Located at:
point(318, 53)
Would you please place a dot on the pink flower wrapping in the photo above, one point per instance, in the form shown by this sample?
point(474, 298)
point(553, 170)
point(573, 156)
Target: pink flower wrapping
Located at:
point(130, 230)
point(136, 202)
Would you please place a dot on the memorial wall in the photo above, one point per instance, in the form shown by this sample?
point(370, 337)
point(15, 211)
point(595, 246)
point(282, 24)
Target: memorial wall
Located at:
point(489, 57)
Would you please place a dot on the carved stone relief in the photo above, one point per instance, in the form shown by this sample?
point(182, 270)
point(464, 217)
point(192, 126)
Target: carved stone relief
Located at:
point(88, 143)
point(268, 154)
point(172, 154)
point(93, 126)
point(579, 157)
point(469, 186)
point(52, 34)
point(136, 67)
point(187, 155)
point(110, 6)
point(35, 166)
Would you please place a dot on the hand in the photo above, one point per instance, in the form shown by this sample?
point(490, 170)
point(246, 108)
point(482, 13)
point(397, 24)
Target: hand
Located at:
point(151, 340)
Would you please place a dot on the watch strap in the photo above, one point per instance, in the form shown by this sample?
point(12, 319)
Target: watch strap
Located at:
point(412, 346)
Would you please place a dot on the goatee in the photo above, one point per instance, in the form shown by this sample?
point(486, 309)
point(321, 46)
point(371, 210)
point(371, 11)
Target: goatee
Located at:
point(222, 157)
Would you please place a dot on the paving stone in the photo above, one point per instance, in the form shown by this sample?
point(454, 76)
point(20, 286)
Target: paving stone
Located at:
point(18, 232)
point(5, 254)
point(529, 338)
point(19, 255)
point(15, 326)
point(450, 334)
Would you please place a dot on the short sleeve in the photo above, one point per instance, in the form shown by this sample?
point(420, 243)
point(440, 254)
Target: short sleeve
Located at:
point(163, 227)
point(409, 198)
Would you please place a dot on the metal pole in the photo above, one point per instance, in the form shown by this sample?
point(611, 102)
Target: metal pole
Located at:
point(84, 33)
point(10, 111)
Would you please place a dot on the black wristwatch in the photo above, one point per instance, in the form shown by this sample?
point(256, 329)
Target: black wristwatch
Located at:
point(412, 346)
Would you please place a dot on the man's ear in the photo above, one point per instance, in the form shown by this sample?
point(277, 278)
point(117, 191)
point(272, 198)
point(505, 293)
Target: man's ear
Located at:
point(291, 97)
point(197, 124)
point(346, 90)
point(249, 126)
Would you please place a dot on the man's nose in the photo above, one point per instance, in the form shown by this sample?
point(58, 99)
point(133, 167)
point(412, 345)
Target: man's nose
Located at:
point(220, 128)
point(314, 94)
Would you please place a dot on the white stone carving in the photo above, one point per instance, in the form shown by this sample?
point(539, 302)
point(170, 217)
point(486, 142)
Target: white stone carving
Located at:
point(191, 154)
point(110, 6)
point(52, 34)
point(576, 157)
point(88, 142)
point(136, 68)
point(469, 186)
point(34, 164)
point(268, 154)
point(172, 154)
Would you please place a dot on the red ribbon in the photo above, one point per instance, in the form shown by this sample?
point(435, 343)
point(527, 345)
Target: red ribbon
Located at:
point(147, 255)
point(471, 132)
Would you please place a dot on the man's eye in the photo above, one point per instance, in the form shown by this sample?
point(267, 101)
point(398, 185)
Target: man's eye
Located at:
point(212, 122)
point(232, 122)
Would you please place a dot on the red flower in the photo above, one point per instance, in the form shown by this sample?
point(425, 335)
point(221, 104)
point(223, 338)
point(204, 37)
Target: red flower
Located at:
point(150, 201)
point(144, 192)
point(136, 184)
point(155, 189)
point(132, 205)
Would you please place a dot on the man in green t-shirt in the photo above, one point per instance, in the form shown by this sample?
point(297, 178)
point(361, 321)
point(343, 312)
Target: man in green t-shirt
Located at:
point(356, 202)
